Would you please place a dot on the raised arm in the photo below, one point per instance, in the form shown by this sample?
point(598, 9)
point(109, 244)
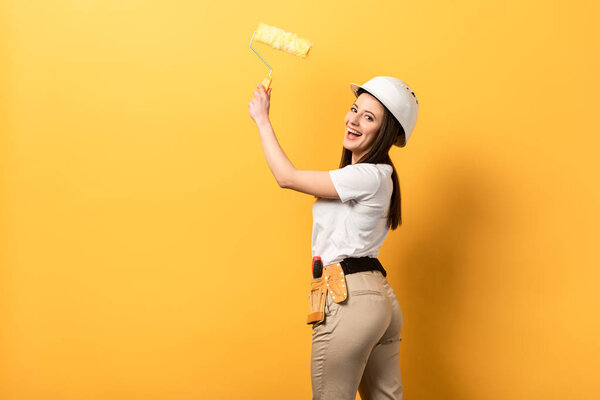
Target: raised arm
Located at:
point(317, 183)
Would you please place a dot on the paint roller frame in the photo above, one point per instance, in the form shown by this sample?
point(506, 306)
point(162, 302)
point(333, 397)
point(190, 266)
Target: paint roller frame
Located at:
point(280, 36)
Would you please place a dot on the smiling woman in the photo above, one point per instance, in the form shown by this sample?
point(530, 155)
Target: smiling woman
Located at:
point(356, 322)
point(387, 132)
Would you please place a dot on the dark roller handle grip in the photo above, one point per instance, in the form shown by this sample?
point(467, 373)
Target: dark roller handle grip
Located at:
point(317, 267)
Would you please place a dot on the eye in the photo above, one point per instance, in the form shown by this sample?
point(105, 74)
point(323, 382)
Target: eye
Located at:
point(370, 119)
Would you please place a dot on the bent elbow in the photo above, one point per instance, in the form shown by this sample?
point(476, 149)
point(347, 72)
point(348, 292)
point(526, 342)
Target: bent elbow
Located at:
point(285, 179)
point(283, 184)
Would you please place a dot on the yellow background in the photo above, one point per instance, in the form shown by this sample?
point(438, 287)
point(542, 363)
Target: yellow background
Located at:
point(148, 253)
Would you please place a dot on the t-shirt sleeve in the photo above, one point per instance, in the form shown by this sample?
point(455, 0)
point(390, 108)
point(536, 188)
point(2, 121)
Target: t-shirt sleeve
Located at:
point(356, 181)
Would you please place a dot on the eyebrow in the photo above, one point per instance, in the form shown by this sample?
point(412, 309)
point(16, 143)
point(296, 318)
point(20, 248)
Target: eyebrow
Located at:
point(374, 117)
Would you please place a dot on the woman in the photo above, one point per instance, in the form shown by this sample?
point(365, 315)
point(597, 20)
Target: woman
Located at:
point(356, 335)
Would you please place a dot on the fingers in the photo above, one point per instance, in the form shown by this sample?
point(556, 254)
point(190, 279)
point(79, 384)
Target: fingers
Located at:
point(261, 91)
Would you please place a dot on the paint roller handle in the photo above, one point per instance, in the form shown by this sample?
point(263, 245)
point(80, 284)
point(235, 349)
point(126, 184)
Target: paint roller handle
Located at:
point(267, 82)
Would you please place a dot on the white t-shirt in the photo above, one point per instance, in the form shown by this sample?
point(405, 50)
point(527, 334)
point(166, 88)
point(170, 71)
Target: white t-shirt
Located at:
point(356, 224)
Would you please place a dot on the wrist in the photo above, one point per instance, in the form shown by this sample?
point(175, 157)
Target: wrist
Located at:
point(262, 122)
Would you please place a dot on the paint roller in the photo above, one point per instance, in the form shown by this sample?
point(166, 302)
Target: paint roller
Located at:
point(280, 40)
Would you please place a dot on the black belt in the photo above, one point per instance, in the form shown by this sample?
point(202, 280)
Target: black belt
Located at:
point(351, 265)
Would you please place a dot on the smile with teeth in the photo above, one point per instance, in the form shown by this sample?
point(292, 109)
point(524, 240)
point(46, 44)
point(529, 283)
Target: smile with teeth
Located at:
point(353, 132)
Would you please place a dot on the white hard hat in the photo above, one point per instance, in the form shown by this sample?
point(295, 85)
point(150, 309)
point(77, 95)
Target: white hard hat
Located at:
point(397, 97)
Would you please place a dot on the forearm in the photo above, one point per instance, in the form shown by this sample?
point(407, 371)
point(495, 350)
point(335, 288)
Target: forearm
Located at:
point(280, 165)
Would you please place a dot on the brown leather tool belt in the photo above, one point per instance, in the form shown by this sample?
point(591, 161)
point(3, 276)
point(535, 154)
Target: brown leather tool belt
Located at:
point(332, 280)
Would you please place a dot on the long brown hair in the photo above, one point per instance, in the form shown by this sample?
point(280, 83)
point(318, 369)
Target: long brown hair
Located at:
point(378, 154)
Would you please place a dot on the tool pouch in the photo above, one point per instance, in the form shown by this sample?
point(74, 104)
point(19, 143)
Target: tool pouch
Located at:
point(332, 282)
point(317, 300)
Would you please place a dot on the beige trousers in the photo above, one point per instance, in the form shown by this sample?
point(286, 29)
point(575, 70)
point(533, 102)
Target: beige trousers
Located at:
point(357, 346)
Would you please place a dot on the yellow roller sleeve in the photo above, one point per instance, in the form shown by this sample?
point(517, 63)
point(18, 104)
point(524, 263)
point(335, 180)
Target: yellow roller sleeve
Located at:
point(282, 40)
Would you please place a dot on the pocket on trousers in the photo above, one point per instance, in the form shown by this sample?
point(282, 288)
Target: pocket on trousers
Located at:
point(330, 306)
point(359, 292)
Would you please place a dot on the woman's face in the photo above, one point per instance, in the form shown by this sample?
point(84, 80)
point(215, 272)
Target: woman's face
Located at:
point(365, 117)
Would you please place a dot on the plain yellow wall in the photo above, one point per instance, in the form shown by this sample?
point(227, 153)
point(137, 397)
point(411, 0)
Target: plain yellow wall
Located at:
point(148, 253)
